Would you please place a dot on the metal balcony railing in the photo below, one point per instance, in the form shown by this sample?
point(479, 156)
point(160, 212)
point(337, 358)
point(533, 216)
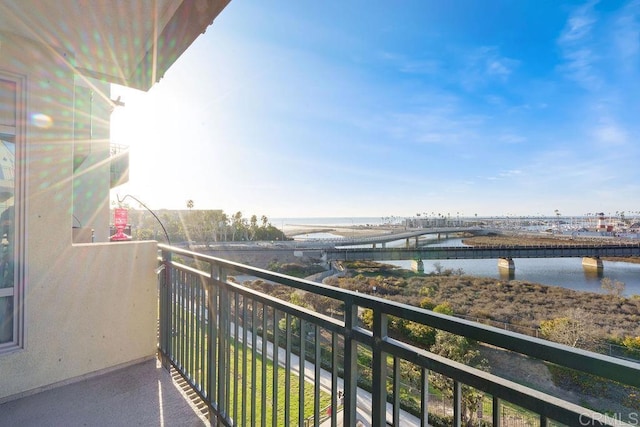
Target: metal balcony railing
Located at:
point(258, 360)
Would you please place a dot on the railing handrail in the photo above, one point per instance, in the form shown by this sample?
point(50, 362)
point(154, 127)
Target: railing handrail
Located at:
point(177, 290)
point(620, 370)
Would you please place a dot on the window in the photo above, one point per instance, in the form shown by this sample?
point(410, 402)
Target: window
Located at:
point(10, 303)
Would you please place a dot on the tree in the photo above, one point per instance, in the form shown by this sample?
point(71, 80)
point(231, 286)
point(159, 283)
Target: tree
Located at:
point(223, 225)
point(460, 349)
point(437, 268)
point(253, 227)
point(444, 308)
point(239, 227)
point(612, 287)
point(321, 304)
point(632, 344)
point(189, 204)
point(575, 330)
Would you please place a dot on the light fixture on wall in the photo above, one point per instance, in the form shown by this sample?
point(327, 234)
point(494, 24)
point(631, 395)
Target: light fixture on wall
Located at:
point(116, 103)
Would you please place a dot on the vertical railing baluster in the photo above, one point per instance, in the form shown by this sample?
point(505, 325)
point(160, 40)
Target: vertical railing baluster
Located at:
point(379, 366)
point(203, 339)
point(203, 334)
point(228, 340)
point(179, 320)
point(173, 336)
point(265, 357)
point(186, 284)
point(287, 372)
point(176, 317)
point(544, 421)
point(245, 356)
point(275, 350)
point(185, 322)
point(301, 377)
point(254, 362)
point(497, 419)
point(316, 376)
point(396, 391)
point(334, 379)
point(424, 394)
point(457, 403)
point(350, 363)
point(223, 346)
point(197, 332)
point(213, 345)
point(236, 359)
point(189, 311)
point(165, 309)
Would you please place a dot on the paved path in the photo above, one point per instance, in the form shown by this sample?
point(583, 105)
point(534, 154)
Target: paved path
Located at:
point(364, 398)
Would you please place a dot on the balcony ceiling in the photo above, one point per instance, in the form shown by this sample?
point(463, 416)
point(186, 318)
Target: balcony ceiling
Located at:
point(131, 43)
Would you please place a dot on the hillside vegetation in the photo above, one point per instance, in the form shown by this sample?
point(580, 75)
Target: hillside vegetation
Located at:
point(511, 301)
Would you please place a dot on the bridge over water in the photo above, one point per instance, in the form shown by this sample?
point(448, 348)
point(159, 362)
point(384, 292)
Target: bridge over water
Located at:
point(392, 236)
point(590, 253)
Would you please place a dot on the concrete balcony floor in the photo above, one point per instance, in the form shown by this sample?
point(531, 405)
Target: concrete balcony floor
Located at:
point(143, 394)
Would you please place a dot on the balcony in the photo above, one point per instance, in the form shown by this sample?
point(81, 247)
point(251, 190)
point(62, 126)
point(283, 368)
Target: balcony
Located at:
point(253, 359)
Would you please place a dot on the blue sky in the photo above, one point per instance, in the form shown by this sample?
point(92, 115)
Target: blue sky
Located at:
point(360, 108)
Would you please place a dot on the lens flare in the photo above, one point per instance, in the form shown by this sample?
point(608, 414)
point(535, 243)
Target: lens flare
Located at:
point(41, 120)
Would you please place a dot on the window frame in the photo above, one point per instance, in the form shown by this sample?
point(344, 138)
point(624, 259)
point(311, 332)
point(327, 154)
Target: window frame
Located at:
point(18, 132)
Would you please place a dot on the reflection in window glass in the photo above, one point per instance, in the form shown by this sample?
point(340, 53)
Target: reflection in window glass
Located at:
point(7, 212)
point(6, 319)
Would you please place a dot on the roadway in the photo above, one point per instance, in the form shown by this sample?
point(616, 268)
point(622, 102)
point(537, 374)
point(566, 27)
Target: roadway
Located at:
point(363, 398)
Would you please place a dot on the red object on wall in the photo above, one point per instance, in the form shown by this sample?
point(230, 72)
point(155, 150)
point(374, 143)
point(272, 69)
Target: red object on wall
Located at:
point(120, 218)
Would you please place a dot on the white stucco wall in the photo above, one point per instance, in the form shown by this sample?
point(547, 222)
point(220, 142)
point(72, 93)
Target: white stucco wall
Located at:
point(86, 307)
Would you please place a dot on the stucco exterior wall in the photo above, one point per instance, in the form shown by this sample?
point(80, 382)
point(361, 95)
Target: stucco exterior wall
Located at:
point(86, 307)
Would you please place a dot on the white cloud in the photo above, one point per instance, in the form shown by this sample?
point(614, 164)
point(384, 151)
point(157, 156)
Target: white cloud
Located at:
point(505, 175)
point(420, 67)
point(436, 126)
point(580, 67)
point(574, 41)
point(511, 138)
point(510, 173)
point(610, 134)
point(627, 35)
point(579, 24)
point(485, 65)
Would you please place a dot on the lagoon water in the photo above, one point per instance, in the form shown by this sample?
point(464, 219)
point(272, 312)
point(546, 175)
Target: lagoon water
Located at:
point(565, 272)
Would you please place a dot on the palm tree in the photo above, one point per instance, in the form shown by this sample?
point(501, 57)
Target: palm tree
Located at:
point(236, 224)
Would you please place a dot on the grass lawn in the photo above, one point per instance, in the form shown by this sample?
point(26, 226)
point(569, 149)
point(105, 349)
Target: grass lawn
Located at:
point(255, 387)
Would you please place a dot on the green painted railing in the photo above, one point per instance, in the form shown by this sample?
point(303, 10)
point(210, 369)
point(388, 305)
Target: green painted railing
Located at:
point(258, 360)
